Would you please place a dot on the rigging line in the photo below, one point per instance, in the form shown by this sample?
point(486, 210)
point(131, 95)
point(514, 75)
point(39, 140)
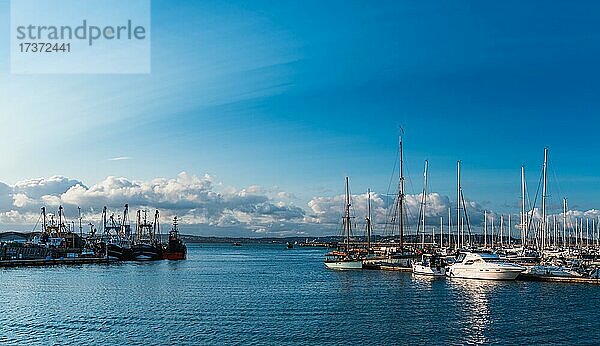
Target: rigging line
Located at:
point(393, 173)
point(37, 223)
point(535, 201)
point(462, 196)
point(408, 177)
point(557, 182)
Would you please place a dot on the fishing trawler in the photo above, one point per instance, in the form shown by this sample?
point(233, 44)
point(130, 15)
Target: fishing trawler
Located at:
point(483, 266)
point(117, 235)
point(346, 257)
point(175, 249)
point(147, 245)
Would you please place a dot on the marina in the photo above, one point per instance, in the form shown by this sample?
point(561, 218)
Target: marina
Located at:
point(537, 252)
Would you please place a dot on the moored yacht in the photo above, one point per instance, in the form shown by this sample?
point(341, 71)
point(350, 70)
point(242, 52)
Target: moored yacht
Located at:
point(483, 266)
point(430, 265)
point(343, 260)
point(346, 256)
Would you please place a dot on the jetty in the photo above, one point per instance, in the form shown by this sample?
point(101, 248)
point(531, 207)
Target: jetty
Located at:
point(51, 262)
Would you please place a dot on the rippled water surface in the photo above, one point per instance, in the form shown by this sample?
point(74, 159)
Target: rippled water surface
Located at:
point(264, 294)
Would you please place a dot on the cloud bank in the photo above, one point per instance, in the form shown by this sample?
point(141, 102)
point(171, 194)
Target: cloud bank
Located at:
point(207, 207)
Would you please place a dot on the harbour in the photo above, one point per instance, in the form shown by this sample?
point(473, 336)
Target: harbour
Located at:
point(299, 173)
point(229, 295)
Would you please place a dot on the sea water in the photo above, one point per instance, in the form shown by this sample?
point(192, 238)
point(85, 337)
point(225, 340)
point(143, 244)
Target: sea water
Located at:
point(267, 294)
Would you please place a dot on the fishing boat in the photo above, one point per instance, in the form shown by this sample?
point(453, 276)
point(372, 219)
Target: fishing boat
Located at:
point(175, 249)
point(147, 245)
point(117, 235)
point(483, 266)
point(346, 257)
point(289, 245)
point(430, 265)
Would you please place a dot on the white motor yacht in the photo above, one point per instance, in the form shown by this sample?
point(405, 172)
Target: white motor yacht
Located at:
point(483, 266)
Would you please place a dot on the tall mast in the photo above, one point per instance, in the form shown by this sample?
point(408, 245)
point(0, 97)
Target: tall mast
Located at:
point(564, 221)
point(80, 225)
point(441, 232)
point(509, 229)
point(45, 222)
point(458, 201)
point(492, 232)
point(485, 229)
point(501, 229)
point(449, 227)
point(424, 203)
point(347, 216)
point(587, 232)
point(544, 195)
point(104, 211)
point(368, 220)
point(524, 227)
point(401, 198)
point(156, 234)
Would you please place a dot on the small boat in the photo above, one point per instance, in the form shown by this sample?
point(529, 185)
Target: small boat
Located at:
point(342, 260)
point(483, 266)
point(430, 265)
point(553, 271)
point(237, 244)
point(175, 249)
point(289, 245)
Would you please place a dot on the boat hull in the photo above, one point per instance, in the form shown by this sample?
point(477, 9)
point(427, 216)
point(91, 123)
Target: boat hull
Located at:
point(419, 269)
point(483, 274)
point(146, 252)
point(116, 252)
point(174, 255)
point(344, 265)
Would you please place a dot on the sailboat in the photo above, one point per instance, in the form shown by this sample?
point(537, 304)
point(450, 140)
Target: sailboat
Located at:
point(429, 265)
point(395, 256)
point(345, 257)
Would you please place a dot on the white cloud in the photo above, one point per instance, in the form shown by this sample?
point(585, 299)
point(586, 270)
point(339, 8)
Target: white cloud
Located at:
point(196, 200)
point(202, 203)
point(120, 158)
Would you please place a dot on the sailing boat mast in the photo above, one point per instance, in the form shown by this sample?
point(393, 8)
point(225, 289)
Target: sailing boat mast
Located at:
point(544, 195)
point(401, 198)
point(368, 219)
point(347, 216)
point(485, 229)
point(458, 190)
point(524, 227)
point(564, 221)
point(423, 204)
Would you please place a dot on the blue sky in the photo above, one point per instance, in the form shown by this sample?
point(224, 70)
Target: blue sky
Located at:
point(299, 94)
